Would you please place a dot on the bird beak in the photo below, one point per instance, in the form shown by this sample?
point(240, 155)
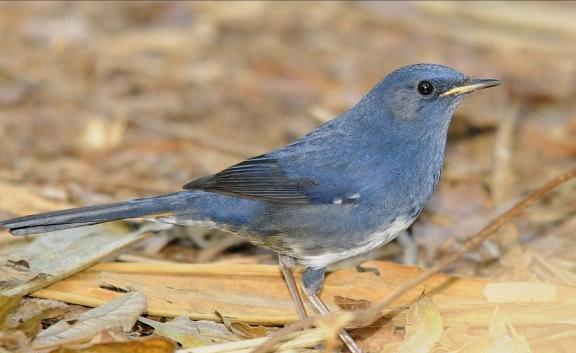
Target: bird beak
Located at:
point(471, 86)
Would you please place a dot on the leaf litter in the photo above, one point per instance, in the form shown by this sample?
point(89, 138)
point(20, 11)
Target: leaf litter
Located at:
point(189, 333)
point(119, 314)
point(145, 96)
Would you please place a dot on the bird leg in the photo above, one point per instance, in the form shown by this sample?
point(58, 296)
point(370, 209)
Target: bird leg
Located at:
point(286, 263)
point(312, 281)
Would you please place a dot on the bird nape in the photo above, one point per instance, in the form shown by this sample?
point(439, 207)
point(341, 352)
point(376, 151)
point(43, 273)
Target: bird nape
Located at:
point(345, 188)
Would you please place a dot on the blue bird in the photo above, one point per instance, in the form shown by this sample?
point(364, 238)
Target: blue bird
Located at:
point(345, 188)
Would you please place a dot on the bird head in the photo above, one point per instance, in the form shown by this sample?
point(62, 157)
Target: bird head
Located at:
point(424, 95)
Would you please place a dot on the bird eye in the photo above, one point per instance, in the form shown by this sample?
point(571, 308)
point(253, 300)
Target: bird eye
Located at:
point(425, 88)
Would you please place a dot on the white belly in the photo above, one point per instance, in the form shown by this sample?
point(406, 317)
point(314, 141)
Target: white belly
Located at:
point(373, 241)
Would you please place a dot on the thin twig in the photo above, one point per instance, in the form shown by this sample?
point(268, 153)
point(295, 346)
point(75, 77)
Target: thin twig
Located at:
point(283, 332)
point(372, 313)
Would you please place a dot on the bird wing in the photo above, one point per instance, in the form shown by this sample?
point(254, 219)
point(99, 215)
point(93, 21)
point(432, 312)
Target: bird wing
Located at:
point(320, 168)
point(260, 178)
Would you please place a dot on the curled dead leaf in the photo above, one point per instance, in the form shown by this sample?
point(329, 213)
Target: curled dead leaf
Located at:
point(424, 327)
point(118, 314)
point(351, 304)
point(242, 329)
point(30, 313)
point(191, 333)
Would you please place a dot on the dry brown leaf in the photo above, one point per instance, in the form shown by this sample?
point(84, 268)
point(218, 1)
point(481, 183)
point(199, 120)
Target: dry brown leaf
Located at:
point(145, 345)
point(242, 329)
point(191, 333)
point(28, 316)
point(118, 314)
point(31, 307)
point(424, 327)
point(7, 304)
point(351, 304)
point(20, 321)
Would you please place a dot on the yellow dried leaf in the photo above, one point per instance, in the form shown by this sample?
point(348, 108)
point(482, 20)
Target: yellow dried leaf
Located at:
point(32, 326)
point(424, 327)
point(521, 292)
point(350, 304)
point(7, 304)
point(27, 317)
point(191, 333)
point(32, 308)
point(148, 345)
point(21, 321)
point(242, 329)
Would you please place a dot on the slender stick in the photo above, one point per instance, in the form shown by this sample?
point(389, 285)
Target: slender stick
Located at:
point(282, 333)
point(372, 313)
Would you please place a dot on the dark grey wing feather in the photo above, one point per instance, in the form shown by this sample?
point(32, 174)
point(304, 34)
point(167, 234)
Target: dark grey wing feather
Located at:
point(257, 178)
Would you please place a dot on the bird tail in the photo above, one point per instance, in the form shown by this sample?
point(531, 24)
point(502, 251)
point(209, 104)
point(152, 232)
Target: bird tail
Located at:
point(85, 216)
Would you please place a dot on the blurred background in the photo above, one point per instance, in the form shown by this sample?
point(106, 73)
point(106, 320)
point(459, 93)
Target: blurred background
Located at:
point(107, 101)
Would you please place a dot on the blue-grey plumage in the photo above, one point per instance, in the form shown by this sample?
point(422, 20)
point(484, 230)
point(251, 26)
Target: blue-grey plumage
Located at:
point(356, 181)
point(343, 189)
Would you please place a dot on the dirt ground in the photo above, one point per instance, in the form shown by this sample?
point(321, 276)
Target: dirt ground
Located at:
point(108, 101)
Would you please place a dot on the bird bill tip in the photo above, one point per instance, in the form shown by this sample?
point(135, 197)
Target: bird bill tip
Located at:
point(471, 86)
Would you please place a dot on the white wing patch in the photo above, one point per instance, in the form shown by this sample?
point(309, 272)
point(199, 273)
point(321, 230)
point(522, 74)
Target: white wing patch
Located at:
point(346, 200)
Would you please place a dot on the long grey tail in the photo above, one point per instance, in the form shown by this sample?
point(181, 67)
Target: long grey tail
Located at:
point(85, 216)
